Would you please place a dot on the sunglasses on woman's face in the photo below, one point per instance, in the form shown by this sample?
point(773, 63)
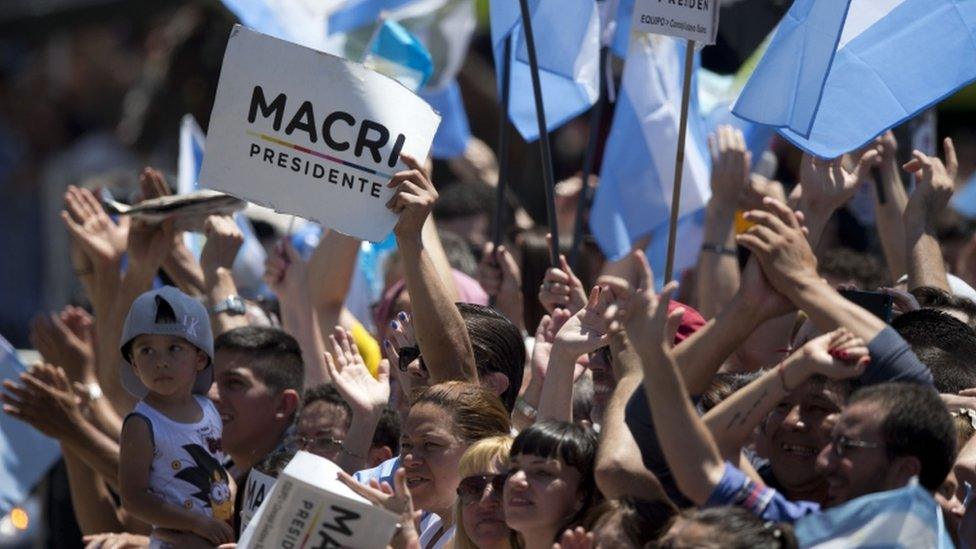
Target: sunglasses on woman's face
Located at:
point(472, 488)
point(409, 353)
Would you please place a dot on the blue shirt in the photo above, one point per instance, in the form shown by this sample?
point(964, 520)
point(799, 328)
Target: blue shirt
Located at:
point(737, 489)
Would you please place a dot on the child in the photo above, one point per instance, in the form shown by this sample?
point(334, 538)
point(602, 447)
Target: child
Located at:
point(169, 465)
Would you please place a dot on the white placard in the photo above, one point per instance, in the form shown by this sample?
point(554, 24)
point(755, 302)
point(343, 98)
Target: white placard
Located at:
point(256, 490)
point(688, 19)
point(309, 507)
point(311, 134)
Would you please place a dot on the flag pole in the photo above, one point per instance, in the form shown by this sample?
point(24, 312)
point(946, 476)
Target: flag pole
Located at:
point(596, 116)
point(497, 233)
point(540, 114)
point(679, 159)
point(502, 184)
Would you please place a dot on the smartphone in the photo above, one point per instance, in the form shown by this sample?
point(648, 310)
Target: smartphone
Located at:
point(876, 302)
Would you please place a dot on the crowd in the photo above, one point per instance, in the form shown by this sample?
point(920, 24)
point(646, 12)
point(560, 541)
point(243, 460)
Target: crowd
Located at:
point(494, 400)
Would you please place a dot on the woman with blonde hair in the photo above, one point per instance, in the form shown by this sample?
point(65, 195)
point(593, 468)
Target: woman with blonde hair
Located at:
point(479, 515)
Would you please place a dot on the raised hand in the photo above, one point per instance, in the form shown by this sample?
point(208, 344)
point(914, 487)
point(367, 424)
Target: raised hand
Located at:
point(413, 199)
point(730, 164)
point(286, 273)
point(587, 330)
point(760, 295)
point(100, 239)
point(826, 185)
point(561, 288)
point(835, 355)
point(398, 502)
point(500, 276)
point(45, 400)
point(150, 244)
point(779, 242)
point(351, 377)
point(67, 340)
point(224, 239)
point(935, 183)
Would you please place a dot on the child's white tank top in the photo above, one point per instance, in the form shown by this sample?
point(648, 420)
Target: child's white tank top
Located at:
point(186, 468)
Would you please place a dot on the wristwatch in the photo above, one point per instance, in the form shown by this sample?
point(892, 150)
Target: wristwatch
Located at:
point(232, 305)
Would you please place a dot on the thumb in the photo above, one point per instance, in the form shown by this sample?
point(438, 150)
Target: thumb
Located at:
point(672, 324)
point(644, 274)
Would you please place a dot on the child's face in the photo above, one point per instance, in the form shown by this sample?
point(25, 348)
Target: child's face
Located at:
point(167, 365)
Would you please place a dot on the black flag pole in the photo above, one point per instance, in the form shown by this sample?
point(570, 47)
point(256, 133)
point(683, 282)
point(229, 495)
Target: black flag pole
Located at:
point(547, 176)
point(586, 196)
point(503, 129)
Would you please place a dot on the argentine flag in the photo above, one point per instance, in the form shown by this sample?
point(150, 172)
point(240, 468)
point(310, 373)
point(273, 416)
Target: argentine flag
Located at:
point(637, 174)
point(905, 518)
point(398, 54)
point(248, 266)
point(567, 41)
point(840, 72)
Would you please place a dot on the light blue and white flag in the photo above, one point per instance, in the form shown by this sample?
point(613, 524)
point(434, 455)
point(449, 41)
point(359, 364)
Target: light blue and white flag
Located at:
point(637, 175)
point(249, 264)
point(192, 143)
point(964, 201)
point(346, 27)
point(25, 454)
point(397, 53)
point(567, 41)
point(905, 518)
point(839, 73)
point(453, 134)
point(297, 21)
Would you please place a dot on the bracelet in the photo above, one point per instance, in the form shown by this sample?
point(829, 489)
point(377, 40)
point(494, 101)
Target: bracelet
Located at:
point(526, 409)
point(718, 249)
point(782, 377)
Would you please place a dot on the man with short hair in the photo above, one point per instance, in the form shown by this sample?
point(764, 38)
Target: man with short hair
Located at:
point(324, 421)
point(258, 382)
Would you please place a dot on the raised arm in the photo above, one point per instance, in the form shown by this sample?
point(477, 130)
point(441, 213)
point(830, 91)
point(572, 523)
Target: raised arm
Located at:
point(224, 239)
point(148, 246)
point(890, 201)
point(825, 186)
point(367, 397)
point(287, 274)
point(441, 333)
point(330, 271)
point(180, 265)
point(935, 183)
point(690, 451)
point(52, 408)
point(584, 332)
point(836, 355)
point(619, 470)
point(778, 241)
point(718, 261)
point(500, 276)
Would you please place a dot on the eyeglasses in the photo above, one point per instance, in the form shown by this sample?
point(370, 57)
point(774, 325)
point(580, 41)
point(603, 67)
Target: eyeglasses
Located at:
point(324, 444)
point(472, 488)
point(842, 445)
point(408, 354)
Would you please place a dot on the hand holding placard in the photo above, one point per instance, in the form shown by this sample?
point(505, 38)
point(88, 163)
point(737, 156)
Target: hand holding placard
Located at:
point(310, 134)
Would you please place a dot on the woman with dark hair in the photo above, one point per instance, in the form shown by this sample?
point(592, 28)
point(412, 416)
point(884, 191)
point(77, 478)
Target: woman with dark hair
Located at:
point(727, 528)
point(550, 486)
